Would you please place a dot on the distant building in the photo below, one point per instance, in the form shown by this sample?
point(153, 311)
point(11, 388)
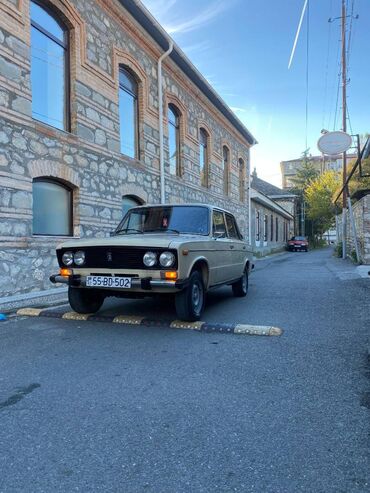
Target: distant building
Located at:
point(289, 169)
point(272, 216)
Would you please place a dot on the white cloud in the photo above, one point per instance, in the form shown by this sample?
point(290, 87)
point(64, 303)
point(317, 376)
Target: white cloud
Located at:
point(203, 17)
point(197, 47)
point(236, 109)
point(165, 12)
point(159, 8)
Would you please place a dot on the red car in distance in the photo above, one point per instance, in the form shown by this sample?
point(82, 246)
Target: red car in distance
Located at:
point(298, 243)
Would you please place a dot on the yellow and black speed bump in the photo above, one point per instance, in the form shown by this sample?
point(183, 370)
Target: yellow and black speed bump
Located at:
point(226, 328)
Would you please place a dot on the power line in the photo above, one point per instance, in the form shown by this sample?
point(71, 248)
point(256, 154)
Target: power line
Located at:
point(307, 65)
point(327, 69)
point(335, 96)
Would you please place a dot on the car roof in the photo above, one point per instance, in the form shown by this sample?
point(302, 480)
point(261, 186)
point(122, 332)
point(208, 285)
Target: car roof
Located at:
point(191, 204)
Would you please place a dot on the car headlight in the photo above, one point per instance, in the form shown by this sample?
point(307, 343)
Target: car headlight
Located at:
point(67, 258)
point(79, 257)
point(167, 259)
point(150, 259)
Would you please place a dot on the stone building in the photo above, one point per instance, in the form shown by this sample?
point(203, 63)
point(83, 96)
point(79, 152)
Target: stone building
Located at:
point(79, 129)
point(272, 217)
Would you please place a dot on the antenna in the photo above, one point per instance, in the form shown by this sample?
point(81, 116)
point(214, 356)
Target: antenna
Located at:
point(297, 33)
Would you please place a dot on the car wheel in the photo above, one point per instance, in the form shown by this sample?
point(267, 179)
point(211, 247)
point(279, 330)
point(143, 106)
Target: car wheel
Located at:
point(240, 288)
point(85, 300)
point(190, 301)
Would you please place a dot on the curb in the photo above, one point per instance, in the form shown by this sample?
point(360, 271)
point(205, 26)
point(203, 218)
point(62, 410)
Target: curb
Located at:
point(238, 329)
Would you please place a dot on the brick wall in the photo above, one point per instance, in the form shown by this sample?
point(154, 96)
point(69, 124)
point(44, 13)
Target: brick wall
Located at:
point(102, 36)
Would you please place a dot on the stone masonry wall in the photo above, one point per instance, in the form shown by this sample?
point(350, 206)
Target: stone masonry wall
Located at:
point(102, 36)
point(361, 213)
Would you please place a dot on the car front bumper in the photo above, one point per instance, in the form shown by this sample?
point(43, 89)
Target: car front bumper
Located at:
point(137, 284)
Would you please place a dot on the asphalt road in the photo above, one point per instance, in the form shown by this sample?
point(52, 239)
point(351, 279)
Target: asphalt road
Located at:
point(90, 407)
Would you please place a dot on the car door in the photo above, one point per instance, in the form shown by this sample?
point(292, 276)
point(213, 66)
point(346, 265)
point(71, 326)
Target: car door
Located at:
point(220, 261)
point(238, 249)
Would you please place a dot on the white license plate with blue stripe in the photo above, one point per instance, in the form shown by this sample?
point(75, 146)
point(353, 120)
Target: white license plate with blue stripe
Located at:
point(108, 282)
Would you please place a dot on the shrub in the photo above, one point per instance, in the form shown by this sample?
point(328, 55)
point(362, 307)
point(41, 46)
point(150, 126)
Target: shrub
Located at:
point(339, 249)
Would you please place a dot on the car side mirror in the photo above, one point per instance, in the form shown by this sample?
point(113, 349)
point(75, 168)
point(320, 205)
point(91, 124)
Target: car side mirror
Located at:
point(112, 233)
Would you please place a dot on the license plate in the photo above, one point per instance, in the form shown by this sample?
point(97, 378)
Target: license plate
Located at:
point(109, 282)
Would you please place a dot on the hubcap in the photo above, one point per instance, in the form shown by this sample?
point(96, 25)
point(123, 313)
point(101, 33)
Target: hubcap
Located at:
point(197, 297)
point(244, 282)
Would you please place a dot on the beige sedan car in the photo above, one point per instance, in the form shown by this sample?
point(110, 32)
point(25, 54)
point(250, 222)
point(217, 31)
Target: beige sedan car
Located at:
point(182, 250)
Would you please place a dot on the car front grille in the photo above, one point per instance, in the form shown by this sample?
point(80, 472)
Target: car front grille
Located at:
point(115, 257)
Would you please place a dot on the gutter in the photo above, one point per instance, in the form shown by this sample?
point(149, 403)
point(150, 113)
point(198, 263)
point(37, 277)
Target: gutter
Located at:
point(160, 120)
point(145, 19)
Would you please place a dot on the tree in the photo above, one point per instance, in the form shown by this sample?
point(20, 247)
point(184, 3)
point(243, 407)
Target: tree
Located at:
point(319, 198)
point(305, 175)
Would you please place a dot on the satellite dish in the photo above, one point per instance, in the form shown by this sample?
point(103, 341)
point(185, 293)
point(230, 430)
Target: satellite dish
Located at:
point(332, 143)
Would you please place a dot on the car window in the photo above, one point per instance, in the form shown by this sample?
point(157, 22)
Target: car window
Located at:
point(218, 223)
point(232, 230)
point(181, 219)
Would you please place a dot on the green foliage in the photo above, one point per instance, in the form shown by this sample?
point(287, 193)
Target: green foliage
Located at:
point(304, 177)
point(319, 199)
point(353, 256)
point(357, 182)
point(317, 242)
point(339, 250)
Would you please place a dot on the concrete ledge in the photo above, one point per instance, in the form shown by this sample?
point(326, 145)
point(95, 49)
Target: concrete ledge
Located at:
point(50, 297)
point(239, 329)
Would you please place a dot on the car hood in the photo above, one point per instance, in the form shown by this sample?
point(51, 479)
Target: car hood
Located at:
point(160, 240)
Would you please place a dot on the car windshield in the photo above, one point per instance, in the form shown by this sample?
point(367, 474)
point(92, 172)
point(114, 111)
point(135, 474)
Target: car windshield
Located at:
point(299, 238)
point(177, 219)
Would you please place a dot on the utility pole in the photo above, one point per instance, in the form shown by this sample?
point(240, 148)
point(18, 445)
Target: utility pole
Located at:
point(344, 104)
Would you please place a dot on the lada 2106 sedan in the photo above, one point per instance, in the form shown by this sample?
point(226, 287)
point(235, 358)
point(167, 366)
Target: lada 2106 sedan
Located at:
point(182, 250)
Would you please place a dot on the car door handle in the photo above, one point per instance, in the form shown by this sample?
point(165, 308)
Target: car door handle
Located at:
point(231, 246)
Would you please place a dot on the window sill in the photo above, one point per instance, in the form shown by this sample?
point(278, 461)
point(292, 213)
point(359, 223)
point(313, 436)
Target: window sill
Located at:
point(55, 237)
point(51, 131)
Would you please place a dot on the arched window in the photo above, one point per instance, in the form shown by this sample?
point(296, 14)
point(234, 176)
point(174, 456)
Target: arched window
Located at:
point(226, 163)
point(203, 157)
point(174, 139)
point(241, 180)
point(52, 208)
point(128, 113)
point(49, 61)
point(129, 201)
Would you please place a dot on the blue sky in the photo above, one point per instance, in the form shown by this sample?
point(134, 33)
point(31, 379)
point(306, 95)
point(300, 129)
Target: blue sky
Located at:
point(242, 47)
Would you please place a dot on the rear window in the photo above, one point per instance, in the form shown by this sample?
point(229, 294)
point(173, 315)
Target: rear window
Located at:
point(299, 238)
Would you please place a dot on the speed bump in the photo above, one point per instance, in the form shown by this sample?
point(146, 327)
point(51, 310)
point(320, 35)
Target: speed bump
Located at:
point(212, 327)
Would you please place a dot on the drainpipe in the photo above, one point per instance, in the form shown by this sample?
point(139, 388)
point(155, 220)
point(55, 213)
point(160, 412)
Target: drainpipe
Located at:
point(160, 118)
point(249, 203)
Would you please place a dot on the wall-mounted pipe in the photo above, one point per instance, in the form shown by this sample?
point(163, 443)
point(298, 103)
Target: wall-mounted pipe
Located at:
point(160, 121)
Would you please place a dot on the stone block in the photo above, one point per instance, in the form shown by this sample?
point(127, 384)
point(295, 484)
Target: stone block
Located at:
point(21, 200)
point(85, 133)
point(10, 71)
point(100, 137)
point(4, 139)
point(82, 89)
point(22, 105)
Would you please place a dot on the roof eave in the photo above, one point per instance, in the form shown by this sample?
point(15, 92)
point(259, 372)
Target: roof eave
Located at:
point(156, 31)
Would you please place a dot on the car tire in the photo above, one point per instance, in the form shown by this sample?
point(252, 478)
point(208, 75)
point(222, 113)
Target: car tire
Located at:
point(85, 300)
point(240, 288)
point(190, 301)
